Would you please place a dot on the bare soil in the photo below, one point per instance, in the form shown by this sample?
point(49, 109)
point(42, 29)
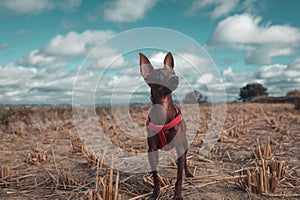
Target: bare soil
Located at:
point(42, 157)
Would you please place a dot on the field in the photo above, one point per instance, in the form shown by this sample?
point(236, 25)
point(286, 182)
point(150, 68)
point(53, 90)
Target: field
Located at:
point(256, 155)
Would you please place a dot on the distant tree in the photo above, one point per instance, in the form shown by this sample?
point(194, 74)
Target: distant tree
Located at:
point(194, 97)
point(252, 90)
point(292, 93)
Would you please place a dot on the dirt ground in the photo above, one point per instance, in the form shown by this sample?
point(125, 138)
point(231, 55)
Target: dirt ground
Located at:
point(42, 156)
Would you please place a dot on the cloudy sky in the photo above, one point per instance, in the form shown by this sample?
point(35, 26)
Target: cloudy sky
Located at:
point(54, 51)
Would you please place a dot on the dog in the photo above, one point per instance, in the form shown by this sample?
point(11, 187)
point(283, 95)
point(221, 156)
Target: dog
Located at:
point(165, 125)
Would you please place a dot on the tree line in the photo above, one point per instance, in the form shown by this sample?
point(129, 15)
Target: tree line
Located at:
point(247, 93)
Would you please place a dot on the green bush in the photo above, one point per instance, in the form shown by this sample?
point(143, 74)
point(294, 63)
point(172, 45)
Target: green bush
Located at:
point(194, 97)
point(252, 90)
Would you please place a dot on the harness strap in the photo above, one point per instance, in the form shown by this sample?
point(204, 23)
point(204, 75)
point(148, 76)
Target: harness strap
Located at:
point(161, 128)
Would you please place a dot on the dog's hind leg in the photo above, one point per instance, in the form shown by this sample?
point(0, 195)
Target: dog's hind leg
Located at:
point(186, 167)
point(186, 146)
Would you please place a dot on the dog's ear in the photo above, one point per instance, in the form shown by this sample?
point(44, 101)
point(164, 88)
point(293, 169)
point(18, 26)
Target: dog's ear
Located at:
point(169, 61)
point(145, 66)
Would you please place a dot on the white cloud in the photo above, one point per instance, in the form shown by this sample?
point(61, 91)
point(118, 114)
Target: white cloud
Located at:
point(262, 42)
point(74, 44)
point(109, 62)
point(272, 71)
point(36, 58)
point(295, 65)
point(29, 85)
point(37, 6)
point(69, 45)
point(238, 79)
point(220, 7)
point(265, 54)
point(13, 82)
point(157, 58)
point(106, 57)
point(11, 75)
point(245, 29)
point(102, 51)
point(206, 79)
point(123, 83)
point(278, 79)
point(32, 85)
point(127, 10)
point(189, 63)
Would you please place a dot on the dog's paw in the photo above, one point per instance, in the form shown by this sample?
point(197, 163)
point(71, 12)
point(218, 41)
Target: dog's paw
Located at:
point(154, 196)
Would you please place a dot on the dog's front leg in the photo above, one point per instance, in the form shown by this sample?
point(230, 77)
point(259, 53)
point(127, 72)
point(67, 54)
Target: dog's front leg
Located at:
point(180, 165)
point(153, 160)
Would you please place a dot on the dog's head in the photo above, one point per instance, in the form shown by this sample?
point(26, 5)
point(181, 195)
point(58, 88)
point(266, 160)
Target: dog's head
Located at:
point(162, 80)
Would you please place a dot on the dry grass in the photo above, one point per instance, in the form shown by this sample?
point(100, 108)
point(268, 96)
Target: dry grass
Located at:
point(5, 171)
point(42, 156)
point(267, 174)
point(36, 156)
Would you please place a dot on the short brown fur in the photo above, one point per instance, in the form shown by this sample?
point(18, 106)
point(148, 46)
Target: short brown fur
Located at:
point(162, 82)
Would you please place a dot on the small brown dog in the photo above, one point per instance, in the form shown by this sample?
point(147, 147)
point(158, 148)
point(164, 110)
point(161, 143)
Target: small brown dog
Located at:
point(165, 126)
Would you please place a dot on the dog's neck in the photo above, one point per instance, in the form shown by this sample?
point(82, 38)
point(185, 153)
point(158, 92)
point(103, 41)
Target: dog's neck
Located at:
point(162, 111)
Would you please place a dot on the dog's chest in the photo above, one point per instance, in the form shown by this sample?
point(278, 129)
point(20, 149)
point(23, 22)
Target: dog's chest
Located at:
point(170, 134)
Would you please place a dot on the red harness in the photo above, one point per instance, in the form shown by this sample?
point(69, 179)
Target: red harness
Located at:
point(161, 128)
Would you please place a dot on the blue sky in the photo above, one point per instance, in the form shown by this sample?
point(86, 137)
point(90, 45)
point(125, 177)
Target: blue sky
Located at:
point(46, 47)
